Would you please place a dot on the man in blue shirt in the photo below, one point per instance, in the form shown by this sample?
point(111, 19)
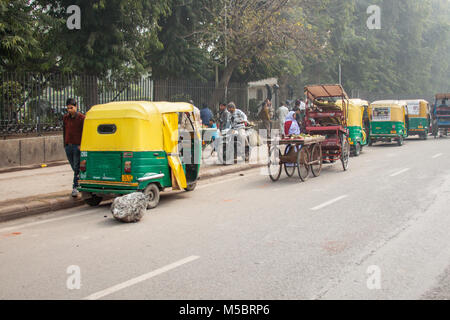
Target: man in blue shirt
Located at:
point(206, 114)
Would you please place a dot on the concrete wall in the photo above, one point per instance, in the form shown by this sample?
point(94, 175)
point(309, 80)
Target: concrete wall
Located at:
point(30, 151)
point(10, 153)
point(35, 151)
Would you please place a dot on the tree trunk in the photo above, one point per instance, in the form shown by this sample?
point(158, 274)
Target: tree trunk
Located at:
point(283, 94)
point(219, 92)
point(90, 92)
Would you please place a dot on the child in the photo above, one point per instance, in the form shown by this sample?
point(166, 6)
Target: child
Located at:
point(215, 135)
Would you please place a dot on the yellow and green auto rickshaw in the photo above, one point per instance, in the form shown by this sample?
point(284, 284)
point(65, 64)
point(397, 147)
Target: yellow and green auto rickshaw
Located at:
point(419, 118)
point(358, 137)
point(138, 146)
point(388, 121)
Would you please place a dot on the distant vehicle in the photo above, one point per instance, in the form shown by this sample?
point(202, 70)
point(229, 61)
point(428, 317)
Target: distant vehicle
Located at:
point(419, 118)
point(441, 115)
point(388, 121)
point(358, 133)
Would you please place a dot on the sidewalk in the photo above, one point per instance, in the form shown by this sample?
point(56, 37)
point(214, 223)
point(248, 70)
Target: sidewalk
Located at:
point(34, 191)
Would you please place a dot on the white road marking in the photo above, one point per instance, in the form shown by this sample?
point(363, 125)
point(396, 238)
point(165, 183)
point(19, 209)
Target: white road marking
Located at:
point(30, 224)
point(400, 172)
point(131, 282)
point(329, 203)
point(437, 155)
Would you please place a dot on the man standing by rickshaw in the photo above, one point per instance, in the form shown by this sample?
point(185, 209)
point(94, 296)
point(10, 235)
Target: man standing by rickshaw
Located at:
point(282, 113)
point(238, 117)
point(265, 114)
point(224, 117)
point(72, 130)
point(238, 123)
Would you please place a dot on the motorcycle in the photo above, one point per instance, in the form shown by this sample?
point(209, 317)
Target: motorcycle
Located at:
point(232, 145)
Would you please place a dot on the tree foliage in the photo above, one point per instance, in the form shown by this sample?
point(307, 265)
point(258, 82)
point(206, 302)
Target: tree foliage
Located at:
point(114, 36)
point(181, 53)
point(18, 34)
point(299, 41)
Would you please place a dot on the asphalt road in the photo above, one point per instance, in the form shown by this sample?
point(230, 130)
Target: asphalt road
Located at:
point(377, 231)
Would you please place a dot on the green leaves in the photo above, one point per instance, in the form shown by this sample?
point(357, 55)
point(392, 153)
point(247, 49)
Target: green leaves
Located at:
point(18, 38)
point(302, 40)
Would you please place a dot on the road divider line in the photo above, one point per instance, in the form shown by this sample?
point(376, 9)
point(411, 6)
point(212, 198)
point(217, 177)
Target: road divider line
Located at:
point(437, 155)
point(326, 204)
point(400, 172)
point(144, 277)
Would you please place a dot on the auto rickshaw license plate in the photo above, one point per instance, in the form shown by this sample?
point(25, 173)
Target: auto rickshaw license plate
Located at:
point(127, 178)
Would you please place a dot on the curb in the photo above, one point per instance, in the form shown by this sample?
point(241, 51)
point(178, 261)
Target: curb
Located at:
point(23, 207)
point(228, 170)
point(19, 208)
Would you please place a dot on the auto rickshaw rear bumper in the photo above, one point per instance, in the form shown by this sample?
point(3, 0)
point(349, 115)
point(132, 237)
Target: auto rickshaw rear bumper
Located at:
point(384, 137)
point(104, 191)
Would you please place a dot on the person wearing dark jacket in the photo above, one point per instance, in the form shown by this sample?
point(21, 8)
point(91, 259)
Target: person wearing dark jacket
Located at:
point(206, 115)
point(72, 130)
point(224, 117)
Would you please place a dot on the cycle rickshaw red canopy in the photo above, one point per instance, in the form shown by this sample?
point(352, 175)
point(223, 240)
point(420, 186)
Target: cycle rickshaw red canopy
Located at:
point(327, 114)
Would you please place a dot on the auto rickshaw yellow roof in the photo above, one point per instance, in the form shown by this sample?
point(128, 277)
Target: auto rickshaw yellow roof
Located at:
point(398, 103)
point(416, 100)
point(359, 101)
point(136, 109)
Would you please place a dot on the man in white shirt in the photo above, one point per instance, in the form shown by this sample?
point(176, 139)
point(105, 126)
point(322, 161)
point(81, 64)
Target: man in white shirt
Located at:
point(282, 113)
point(238, 118)
point(302, 105)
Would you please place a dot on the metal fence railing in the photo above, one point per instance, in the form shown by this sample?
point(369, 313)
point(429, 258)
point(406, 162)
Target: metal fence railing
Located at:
point(35, 103)
point(201, 93)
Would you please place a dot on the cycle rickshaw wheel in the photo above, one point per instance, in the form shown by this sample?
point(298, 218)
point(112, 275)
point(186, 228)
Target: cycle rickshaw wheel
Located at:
point(316, 160)
point(290, 170)
point(274, 166)
point(345, 154)
point(303, 164)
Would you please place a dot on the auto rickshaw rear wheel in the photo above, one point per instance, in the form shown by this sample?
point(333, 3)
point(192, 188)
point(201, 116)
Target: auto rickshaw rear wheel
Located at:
point(152, 191)
point(400, 141)
point(93, 201)
point(357, 149)
point(191, 186)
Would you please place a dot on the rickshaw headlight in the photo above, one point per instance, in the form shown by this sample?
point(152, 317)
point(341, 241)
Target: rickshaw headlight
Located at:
point(127, 167)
